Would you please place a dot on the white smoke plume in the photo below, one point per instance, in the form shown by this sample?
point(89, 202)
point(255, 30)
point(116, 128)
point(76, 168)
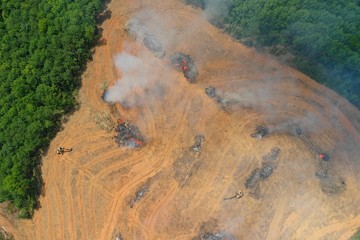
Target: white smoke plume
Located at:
point(141, 76)
point(134, 78)
point(142, 70)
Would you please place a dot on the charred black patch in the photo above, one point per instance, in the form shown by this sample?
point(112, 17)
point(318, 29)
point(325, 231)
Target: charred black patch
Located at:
point(186, 64)
point(129, 135)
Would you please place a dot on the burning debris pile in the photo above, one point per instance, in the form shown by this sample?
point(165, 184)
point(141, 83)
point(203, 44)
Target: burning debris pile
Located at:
point(137, 30)
point(314, 149)
point(260, 133)
point(268, 166)
point(199, 140)
point(222, 104)
point(128, 135)
point(139, 194)
point(330, 182)
point(186, 64)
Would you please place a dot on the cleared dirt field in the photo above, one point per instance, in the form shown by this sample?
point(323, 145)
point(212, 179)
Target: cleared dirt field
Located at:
point(87, 191)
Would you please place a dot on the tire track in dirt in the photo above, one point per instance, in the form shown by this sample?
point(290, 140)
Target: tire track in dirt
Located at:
point(109, 157)
point(57, 210)
point(91, 177)
point(149, 224)
point(80, 202)
point(133, 159)
point(136, 156)
point(46, 220)
point(112, 218)
point(68, 204)
point(348, 225)
point(300, 210)
point(92, 213)
point(275, 226)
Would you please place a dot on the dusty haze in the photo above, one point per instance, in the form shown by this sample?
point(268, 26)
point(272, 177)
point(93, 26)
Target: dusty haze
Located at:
point(87, 191)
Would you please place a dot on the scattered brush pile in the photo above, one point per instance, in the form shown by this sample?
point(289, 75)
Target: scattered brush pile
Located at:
point(186, 64)
point(188, 163)
point(252, 181)
point(211, 236)
point(154, 45)
point(222, 104)
point(260, 132)
point(268, 167)
point(138, 31)
point(209, 230)
point(330, 182)
point(211, 92)
point(128, 135)
point(199, 140)
point(135, 28)
point(273, 155)
point(140, 193)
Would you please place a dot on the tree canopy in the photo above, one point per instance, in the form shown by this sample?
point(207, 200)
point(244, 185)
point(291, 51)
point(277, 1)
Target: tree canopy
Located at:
point(44, 48)
point(323, 37)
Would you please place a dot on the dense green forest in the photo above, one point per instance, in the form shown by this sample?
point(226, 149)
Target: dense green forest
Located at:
point(321, 37)
point(44, 48)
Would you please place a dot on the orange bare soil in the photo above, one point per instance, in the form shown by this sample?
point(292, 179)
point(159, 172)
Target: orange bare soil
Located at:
point(87, 191)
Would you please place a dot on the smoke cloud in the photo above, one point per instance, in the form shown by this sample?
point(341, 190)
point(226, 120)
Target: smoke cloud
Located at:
point(217, 10)
point(133, 81)
point(142, 75)
point(144, 71)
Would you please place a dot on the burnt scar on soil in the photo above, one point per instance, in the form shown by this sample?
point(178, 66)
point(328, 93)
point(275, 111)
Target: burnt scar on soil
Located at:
point(209, 230)
point(260, 133)
point(137, 29)
point(142, 190)
point(262, 173)
point(188, 163)
point(330, 182)
point(222, 103)
point(199, 140)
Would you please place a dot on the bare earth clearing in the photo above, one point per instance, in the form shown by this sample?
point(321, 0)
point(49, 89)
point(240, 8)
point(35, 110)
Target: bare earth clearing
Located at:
point(87, 191)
